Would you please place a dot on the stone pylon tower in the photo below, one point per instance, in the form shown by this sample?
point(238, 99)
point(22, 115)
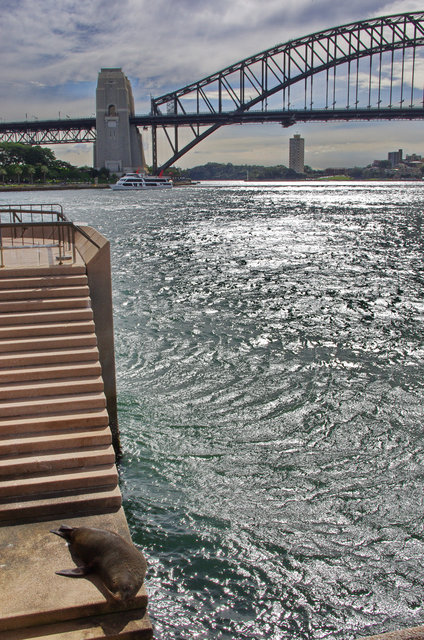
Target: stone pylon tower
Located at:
point(118, 143)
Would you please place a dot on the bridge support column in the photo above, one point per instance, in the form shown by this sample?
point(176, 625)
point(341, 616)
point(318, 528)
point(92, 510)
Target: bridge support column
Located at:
point(118, 144)
point(154, 149)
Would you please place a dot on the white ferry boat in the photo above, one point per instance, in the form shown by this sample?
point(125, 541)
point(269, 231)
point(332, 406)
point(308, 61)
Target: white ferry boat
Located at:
point(137, 181)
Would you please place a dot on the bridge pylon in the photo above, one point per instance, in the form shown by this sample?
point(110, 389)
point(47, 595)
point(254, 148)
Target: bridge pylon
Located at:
point(118, 144)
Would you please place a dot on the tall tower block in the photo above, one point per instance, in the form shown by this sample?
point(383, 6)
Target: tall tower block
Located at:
point(297, 153)
point(118, 143)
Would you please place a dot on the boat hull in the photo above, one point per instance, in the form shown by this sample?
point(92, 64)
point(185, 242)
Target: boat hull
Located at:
point(140, 182)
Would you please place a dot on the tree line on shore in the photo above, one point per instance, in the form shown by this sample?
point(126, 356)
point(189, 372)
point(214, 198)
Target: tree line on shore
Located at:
point(22, 163)
point(377, 171)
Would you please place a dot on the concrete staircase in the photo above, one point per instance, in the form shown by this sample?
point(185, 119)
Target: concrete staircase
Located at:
point(57, 462)
point(56, 455)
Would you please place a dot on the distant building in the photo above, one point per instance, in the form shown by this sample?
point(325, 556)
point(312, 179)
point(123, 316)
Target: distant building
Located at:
point(297, 153)
point(395, 157)
point(413, 157)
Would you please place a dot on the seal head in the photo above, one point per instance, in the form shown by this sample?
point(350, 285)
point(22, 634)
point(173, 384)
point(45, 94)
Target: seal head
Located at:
point(118, 563)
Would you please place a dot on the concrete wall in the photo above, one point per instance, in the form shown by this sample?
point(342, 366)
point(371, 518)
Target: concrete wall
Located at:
point(97, 261)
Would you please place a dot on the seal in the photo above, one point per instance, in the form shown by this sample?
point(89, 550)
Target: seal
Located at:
point(117, 562)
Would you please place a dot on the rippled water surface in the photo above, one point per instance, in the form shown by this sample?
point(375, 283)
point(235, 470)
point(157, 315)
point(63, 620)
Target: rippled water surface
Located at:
point(269, 343)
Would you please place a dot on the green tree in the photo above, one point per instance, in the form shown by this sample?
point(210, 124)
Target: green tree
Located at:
point(16, 170)
point(44, 171)
point(30, 169)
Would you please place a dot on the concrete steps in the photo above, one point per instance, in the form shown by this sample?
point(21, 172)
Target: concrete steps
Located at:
point(57, 291)
point(67, 441)
point(56, 455)
point(47, 423)
point(28, 509)
point(102, 476)
point(48, 342)
point(40, 304)
point(57, 463)
point(70, 315)
point(45, 387)
point(46, 329)
point(51, 356)
point(43, 372)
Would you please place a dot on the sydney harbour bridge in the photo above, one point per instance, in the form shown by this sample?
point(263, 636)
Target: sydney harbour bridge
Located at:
point(367, 70)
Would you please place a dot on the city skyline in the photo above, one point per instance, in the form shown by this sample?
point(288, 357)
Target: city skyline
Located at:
point(164, 46)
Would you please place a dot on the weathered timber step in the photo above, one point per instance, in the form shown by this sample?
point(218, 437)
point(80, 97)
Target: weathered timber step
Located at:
point(105, 477)
point(43, 281)
point(49, 357)
point(25, 374)
point(43, 423)
point(58, 388)
point(48, 342)
point(43, 292)
point(56, 315)
point(33, 407)
point(48, 329)
point(79, 504)
point(44, 304)
point(14, 467)
point(29, 272)
point(125, 625)
point(20, 444)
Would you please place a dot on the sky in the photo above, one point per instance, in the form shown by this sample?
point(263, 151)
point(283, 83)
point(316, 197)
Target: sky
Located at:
point(53, 50)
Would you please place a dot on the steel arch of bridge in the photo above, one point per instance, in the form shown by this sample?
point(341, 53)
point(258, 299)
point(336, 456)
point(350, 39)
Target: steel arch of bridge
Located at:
point(372, 69)
point(367, 70)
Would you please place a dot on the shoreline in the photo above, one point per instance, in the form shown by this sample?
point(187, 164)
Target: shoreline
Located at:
point(50, 187)
point(76, 185)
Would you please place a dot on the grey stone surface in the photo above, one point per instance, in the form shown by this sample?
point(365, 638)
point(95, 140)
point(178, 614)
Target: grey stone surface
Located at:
point(118, 143)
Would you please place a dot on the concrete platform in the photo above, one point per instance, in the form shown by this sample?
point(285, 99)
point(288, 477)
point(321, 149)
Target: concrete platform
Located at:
point(413, 633)
point(29, 255)
point(126, 625)
point(34, 596)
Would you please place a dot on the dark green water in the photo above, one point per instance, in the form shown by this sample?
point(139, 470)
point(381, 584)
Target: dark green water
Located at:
point(269, 344)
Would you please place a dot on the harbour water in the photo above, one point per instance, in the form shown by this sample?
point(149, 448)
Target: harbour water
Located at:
point(270, 362)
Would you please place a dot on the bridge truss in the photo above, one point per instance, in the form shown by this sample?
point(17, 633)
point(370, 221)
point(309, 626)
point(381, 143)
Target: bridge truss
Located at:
point(367, 70)
point(34, 132)
point(372, 69)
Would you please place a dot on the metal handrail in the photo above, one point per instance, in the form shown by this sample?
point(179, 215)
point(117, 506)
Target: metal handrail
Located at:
point(23, 220)
point(15, 211)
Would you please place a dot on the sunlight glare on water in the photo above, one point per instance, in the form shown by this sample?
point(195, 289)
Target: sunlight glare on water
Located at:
point(269, 345)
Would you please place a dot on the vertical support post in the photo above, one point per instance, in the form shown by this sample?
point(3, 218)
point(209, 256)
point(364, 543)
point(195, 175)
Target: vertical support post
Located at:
point(1, 249)
point(154, 149)
point(175, 138)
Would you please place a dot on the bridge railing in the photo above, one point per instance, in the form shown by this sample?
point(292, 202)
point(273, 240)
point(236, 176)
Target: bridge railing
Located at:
point(30, 226)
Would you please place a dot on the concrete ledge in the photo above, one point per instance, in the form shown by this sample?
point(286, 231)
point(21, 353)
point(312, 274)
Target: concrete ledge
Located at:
point(113, 626)
point(413, 633)
point(34, 595)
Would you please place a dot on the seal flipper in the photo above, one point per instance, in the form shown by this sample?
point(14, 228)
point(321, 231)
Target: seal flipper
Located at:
point(77, 572)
